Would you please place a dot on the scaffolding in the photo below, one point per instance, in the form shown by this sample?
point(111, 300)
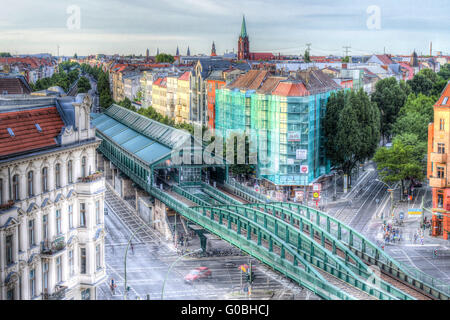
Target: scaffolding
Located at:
point(286, 130)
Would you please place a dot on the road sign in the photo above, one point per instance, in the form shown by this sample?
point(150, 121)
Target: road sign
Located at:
point(414, 211)
point(316, 195)
point(304, 169)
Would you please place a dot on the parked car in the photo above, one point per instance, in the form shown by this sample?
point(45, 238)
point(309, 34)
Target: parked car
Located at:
point(198, 274)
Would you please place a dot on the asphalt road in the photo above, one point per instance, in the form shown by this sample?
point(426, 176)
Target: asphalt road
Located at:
point(148, 264)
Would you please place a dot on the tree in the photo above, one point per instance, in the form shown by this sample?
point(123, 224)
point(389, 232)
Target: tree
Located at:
point(398, 164)
point(164, 58)
point(75, 56)
point(427, 82)
point(444, 73)
point(5, 55)
point(346, 59)
point(306, 57)
point(351, 129)
point(73, 75)
point(389, 96)
point(83, 85)
point(419, 147)
point(126, 103)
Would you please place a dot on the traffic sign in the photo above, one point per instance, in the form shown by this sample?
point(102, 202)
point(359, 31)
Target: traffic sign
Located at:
point(414, 211)
point(316, 195)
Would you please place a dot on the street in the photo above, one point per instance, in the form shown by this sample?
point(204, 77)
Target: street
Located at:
point(148, 263)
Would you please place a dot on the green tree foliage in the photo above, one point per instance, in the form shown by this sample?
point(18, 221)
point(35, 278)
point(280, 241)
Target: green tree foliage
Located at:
point(419, 147)
point(83, 85)
point(126, 103)
point(351, 129)
point(164, 58)
point(389, 96)
point(427, 82)
point(398, 163)
point(151, 113)
point(5, 55)
point(444, 73)
point(73, 75)
point(346, 59)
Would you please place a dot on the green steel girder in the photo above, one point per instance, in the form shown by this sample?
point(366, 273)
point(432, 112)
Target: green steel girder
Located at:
point(342, 270)
point(308, 278)
point(361, 268)
point(370, 252)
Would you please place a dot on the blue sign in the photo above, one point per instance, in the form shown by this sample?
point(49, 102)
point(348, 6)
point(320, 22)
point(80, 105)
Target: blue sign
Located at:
point(401, 215)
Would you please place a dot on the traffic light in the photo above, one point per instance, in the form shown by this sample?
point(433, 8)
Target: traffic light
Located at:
point(250, 277)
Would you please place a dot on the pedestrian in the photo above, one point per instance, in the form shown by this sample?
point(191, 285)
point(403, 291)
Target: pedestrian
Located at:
point(112, 286)
point(421, 239)
point(132, 247)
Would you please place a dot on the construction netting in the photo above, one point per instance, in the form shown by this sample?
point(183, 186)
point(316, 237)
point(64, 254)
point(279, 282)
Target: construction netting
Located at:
point(287, 132)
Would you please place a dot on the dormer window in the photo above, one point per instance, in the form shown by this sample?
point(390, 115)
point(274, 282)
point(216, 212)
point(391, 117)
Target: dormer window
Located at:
point(11, 133)
point(38, 127)
point(445, 101)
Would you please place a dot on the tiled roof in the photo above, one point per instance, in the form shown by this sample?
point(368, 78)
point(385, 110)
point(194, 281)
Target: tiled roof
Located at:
point(14, 85)
point(290, 89)
point(185, 76)
point(384, 59)
point(270, 84)
point(26, 135)
point(444, 100)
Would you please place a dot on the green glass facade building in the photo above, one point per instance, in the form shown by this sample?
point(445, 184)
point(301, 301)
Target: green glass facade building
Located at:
point(288, 117)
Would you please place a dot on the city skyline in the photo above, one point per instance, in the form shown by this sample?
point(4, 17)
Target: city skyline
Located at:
point(133, 26)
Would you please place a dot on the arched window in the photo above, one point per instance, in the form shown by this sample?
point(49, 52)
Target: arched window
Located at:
point(16, 195)
point(83, 167)
point(69, 172)
point(30, 184)
point(45, 179)
point(58, 175)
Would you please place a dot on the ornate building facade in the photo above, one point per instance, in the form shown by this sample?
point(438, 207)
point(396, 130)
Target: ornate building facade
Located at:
point(51, 200)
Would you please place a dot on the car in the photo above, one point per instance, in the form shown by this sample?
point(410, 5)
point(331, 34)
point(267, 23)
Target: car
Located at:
point(198, 274)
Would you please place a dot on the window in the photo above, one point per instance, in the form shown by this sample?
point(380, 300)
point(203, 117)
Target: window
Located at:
point(97, 211)
point(83, 167)
point(442, 124)
point(440, 199)
point(30, 184)
point(9, 250)
point(441, 148)
point(16, 195)
point(86, 294)
point(444, 102)
point(71, 264)
point(58, 175)
point(440, 172)
point(45, 179)
point(70, 216)
point(58, 270)
point(82, 215)
point(10, 294)
point(83, 260)
point(45, 227)
point(69, 172)
point(38, 127)
point(98, 260)
point(32, 283)
point(11, 132)
point(45, 277)
point(58, 222)
point(31, 241)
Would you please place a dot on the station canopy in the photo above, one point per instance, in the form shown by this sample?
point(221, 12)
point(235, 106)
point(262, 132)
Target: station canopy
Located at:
point(145, 138)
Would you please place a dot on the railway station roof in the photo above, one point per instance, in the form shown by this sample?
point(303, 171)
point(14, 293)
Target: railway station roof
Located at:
point(147, 139)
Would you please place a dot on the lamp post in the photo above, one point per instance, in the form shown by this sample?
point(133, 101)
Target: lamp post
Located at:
point(391, 191)
point(170, 268)
point(126, 254)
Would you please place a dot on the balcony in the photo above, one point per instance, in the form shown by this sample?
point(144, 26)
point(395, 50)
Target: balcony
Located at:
point(58, 294)
point(51, 248)
point(438, 157)
point(92, 184)
point(437, 182)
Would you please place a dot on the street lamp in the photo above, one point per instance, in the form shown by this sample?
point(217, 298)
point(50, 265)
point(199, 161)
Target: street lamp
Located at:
point(391, 191)
point(171, 266)
point(126, 254)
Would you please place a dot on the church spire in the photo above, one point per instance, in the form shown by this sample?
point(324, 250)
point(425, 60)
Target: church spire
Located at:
point(243, 28)
point(188, 52)
point(178, 52)
point(213, 50)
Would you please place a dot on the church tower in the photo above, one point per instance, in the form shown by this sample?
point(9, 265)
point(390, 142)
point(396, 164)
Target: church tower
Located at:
point(243, 43)
point(213, 50)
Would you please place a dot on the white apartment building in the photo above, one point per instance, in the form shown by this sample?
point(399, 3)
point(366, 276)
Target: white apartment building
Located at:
point(51, 200)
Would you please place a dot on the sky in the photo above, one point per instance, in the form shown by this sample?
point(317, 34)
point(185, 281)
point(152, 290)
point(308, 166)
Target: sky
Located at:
point(277, 26)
